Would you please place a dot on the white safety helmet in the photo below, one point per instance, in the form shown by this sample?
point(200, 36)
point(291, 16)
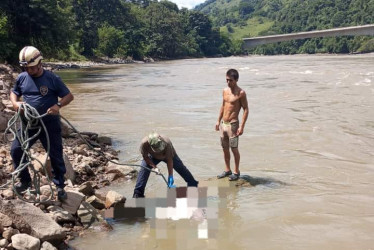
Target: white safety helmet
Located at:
point(29, 56)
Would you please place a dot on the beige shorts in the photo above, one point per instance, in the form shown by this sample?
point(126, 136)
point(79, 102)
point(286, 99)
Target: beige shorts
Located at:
point(228, 134)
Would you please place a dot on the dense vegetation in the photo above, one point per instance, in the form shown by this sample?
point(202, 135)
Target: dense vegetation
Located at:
point(78, 29)
point(248, 18)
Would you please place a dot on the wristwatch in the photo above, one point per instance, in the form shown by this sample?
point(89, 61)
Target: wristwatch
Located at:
point(59, 104)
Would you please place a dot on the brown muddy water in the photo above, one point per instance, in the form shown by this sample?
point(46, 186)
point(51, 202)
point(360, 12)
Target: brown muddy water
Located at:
point(309, 143)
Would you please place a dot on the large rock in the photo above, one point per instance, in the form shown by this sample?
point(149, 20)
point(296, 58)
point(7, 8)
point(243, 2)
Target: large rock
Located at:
point(72, 203)
point(47, 246)
point(38, 164)
point(5, 221)
point(113, 198)
point(9, 232)
point(123, 170)
point(31, 220)
point(46, 190)
point(25, 242)
point(86, 189)
point(65, 129)
point(60, 215)
point(41, 159)
point(70, 173)
point(89, 216)
point(104, 140)
point(96, 202)
point(4, 243)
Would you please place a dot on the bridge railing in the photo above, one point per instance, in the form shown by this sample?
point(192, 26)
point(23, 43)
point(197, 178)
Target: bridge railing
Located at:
point(346, 31)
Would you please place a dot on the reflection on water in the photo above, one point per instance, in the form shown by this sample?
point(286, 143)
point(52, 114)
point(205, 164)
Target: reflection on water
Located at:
point(310, 126)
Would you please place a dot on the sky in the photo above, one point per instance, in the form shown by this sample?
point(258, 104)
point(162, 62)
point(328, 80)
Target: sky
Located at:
point(187, 3)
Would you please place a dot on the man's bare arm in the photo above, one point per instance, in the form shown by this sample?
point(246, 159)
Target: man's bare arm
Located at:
point(220, 113)
point(169, 164)
point(15, 100)
point(244, 104)
point(64, 101)
point(148, 161)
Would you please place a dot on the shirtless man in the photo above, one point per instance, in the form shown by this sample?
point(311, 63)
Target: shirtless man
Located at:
point(234, 98)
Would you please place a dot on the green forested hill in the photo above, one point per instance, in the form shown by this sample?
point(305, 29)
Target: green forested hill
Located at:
point(79, 29)
point(249, 18)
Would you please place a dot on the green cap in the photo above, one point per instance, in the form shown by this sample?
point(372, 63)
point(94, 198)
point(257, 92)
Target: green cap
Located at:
point(156, 142)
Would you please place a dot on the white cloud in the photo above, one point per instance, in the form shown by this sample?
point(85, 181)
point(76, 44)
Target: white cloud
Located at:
point(187, 3)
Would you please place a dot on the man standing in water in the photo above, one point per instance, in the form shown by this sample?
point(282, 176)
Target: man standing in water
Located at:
point(234, 98)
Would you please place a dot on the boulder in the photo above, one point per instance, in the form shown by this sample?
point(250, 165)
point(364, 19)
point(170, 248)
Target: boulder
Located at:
point(41, 159)
point(113, 198)
point(47, 246)
point(86, 189)
point(101, 194)
point(31, 220)
point(60, 215)
point(4, 243)
point(89, 216)
point(65, 129)
point(70, 173)
point(5, 221)
point(25, 242)
point(8, 194)
point(72, 203)
point(46, 190)
point(96, 202)
point(123, 170)
point(9, 232)
point(104, 140)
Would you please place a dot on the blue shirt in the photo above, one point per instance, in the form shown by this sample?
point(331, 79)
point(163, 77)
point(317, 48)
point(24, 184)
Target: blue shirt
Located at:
point(40, 92)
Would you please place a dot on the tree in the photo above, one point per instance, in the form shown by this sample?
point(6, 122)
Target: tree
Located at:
point(6, 45)
point(91, 14)
point(45, 24)
point(111, 41)
point(163, 31)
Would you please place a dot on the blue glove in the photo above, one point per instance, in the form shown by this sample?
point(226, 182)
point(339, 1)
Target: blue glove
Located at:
point(171, 182)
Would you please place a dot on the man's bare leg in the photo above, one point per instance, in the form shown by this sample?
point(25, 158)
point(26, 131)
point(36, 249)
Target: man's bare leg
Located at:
point(236, 154)
point(226, 154)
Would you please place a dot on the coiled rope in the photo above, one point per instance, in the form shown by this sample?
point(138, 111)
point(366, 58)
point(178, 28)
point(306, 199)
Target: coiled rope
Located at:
point(27, 118)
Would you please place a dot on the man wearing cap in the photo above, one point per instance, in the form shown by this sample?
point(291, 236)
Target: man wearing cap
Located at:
point(154, 149)
point(44, 91)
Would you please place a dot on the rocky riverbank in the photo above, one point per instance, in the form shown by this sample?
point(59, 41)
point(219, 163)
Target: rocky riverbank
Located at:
point(97, 62)
point(50, 224)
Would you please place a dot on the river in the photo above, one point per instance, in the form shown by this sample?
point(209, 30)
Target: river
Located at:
point(309, 135)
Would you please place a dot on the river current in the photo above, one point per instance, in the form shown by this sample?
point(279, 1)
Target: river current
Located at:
point(308, 141)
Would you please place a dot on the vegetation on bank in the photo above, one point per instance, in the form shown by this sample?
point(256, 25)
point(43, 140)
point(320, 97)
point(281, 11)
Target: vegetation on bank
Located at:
point(79, 29)
point(249, 18)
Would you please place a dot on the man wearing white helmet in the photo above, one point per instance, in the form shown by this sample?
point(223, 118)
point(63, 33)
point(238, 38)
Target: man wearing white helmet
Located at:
point(46, 92)
point(154, 149)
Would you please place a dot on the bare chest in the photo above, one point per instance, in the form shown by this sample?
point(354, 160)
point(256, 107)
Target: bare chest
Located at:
point(231, 98)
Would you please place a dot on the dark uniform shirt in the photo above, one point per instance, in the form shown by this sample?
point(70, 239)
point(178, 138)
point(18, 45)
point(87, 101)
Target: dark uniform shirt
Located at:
point(40, 92)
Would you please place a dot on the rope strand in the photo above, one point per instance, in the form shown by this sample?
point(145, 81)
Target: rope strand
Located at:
point(28, 118)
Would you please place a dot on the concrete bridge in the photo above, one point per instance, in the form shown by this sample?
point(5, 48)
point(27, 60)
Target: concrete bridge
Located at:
point(346, 31)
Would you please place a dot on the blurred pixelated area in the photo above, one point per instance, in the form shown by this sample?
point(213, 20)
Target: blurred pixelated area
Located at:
point(182, 212)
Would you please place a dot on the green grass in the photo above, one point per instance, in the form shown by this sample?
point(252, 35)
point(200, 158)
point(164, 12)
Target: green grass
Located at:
point(253, 27)
point(222, 4)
